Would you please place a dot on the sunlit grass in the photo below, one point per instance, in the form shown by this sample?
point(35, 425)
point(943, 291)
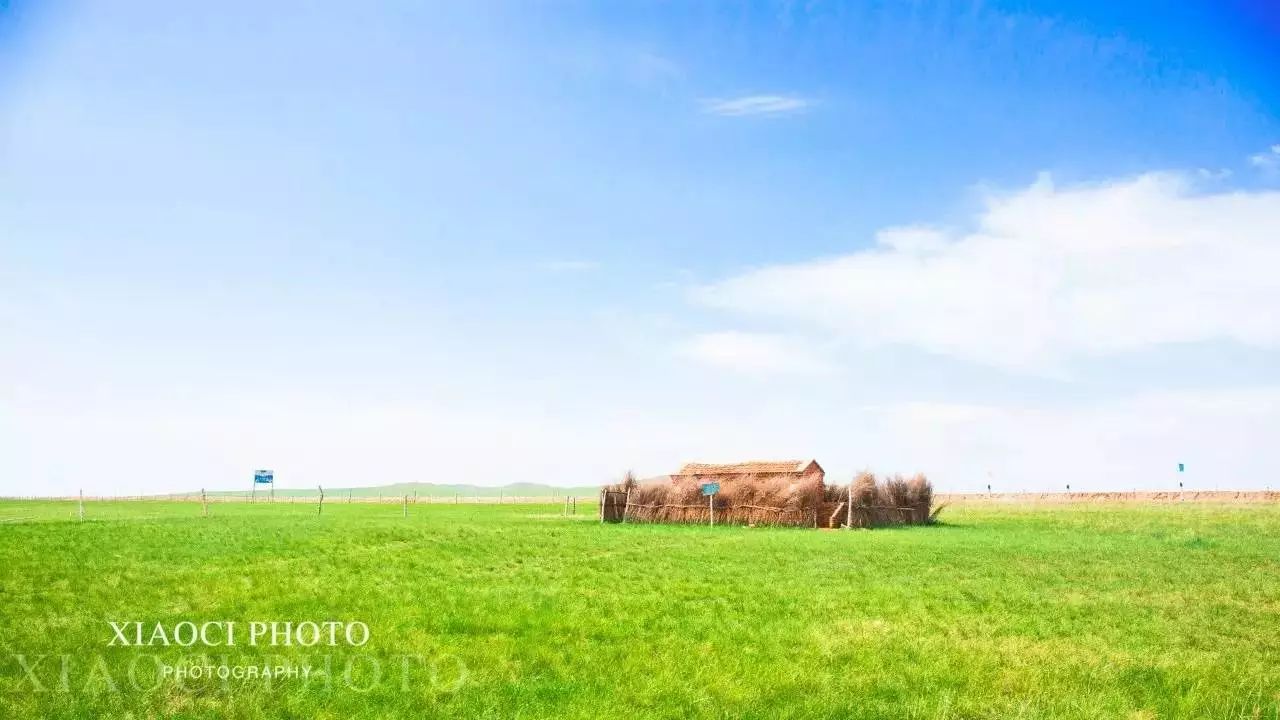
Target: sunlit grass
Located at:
point(1074, 612)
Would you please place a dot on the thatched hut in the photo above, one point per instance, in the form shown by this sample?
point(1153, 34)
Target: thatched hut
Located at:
point(786, 492)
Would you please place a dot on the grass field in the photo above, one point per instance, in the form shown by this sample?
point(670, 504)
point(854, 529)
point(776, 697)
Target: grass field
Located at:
point(1002, 612)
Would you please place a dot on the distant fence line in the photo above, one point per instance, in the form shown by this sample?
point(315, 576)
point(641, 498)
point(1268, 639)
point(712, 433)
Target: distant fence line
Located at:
point(334, 497)
point(1138, 496)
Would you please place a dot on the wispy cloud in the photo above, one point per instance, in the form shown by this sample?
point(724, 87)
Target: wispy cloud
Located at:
point(1213, 175)
point(568, 265)
point(651, 69)
point(1267, 160)
point(748, 105)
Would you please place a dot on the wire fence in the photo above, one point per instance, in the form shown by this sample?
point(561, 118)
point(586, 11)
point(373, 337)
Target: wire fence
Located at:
point(329, 497)
point(36, 508)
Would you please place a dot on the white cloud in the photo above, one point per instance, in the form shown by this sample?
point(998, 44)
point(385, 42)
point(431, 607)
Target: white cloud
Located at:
point(1046, 274)
point(754, 353)
point(1267, 160)
point(756, 105)
point(568, 265)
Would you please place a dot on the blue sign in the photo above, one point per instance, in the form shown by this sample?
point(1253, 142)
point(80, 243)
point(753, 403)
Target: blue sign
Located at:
point(263, 476)
point(1181, 467)
point(710, 488)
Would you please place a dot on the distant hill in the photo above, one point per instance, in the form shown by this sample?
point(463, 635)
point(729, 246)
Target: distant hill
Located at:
point(425, 489)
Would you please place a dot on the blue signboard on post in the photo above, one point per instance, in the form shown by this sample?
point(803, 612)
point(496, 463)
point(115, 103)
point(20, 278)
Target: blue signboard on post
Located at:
point(710, 489)
point(262, 477)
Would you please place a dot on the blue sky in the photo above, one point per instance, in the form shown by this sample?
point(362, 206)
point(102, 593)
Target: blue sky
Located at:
point(1018, 243)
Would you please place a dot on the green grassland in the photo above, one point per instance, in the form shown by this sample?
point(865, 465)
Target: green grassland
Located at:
point(512, 611)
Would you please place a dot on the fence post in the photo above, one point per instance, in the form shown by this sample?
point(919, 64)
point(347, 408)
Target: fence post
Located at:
point(602, 507)
point(406, 506)
point(82, 504)
point(204, 500)
point(848, 515)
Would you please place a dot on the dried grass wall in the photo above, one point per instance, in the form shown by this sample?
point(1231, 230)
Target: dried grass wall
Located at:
point(885, 501)
point(783, 499)
point(742, 500)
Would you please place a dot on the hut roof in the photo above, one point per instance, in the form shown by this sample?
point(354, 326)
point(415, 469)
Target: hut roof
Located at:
point(751, 467)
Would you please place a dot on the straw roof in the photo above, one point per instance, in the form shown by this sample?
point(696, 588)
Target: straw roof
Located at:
point(752, 467)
